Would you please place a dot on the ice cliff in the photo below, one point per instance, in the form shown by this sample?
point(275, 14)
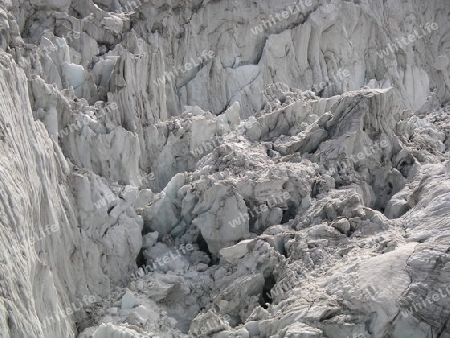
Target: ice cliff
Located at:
point(220, 168)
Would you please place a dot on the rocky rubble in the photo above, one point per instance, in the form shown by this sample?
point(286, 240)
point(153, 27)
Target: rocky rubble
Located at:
point(292, 184)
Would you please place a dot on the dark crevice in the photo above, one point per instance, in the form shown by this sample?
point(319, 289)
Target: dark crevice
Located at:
point(110, 209)
point(140, 259)
point(203, 246)
point(390, 187)
point(282, 249)
point(289, 213)
point(252, 216)
point(266, 297)
point(404, 167)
